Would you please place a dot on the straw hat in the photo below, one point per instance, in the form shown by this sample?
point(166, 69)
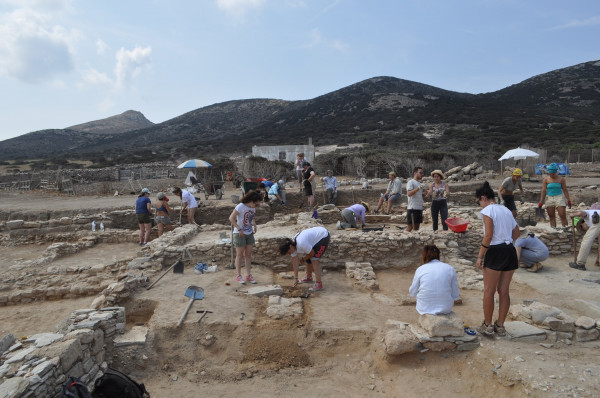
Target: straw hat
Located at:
point(392, 173)
point(366, 205)
point(438, 172)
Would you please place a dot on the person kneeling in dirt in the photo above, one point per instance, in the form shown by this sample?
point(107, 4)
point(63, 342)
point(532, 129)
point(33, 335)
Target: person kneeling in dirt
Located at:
point(163, 221)
point(435, 284)
point(531, 251)
point(307, 246)
point(277, 192)
point(350, 216)
point(592, 220)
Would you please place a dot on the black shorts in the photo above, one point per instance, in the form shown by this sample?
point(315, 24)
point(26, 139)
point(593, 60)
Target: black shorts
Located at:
point(509, 202)
point(307, 188)
point(502, 257)
point(416, 214)
point(321, 246)
point(143, 218)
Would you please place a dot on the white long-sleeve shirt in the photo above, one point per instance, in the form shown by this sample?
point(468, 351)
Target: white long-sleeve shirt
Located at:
point(436, 287)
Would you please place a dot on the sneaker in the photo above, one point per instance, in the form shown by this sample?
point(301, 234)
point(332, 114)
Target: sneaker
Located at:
point(535, 267)
point(250, 279)
point(316, 287)
point(306, 279)
point(486, 330)
point(500, 330)
point(240, 279)
point(574, 265)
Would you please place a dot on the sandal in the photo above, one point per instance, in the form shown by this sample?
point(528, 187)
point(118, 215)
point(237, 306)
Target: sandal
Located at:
point(486, 330)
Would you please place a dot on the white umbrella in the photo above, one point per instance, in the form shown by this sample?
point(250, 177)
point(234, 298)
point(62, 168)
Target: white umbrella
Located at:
point(194, 164)
point(519, 154)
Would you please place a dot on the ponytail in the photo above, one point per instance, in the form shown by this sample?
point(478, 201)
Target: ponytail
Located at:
point(430, 252)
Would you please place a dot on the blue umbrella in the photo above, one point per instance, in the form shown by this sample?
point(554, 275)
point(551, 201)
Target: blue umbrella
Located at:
point(194, 164)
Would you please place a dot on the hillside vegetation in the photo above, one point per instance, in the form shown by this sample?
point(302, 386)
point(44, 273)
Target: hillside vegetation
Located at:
point(559, 109)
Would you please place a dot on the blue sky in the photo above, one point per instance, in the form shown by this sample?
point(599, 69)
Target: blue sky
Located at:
point(65, 62)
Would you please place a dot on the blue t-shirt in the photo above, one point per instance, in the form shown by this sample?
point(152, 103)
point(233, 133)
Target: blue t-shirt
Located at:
point(268, 184)
point(532, 243)
point(274, 190)
point(140, 205)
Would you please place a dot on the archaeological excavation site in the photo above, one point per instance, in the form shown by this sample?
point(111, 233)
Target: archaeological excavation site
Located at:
point(76, 301)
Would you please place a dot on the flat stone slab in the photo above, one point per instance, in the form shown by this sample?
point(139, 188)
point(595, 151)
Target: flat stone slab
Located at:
point(522, 331)
point(136, 336)
point(14, 387)
point(587, 308)
point(269, 290)
point(44, 339)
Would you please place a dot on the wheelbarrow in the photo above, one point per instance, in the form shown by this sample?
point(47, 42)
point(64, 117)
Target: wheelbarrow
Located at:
point(212, 188)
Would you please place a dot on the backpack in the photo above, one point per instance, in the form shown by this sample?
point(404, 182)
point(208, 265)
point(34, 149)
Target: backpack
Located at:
point(113, 384)
point(75, 388)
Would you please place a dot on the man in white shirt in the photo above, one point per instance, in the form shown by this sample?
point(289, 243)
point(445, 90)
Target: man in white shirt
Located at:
point(331, 186)
point(414, 214)
point(188, 201)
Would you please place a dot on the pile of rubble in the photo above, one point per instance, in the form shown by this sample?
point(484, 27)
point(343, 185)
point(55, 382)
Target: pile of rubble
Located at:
point(471, 172)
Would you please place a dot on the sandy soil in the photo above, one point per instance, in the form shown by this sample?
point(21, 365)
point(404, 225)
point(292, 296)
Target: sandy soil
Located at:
point(334, 349)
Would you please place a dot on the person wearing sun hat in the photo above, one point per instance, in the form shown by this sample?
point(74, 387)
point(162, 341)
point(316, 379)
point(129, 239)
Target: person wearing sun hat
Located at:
point(556, 196)
point(439, 192)
point(352, 214)
point(507, 189)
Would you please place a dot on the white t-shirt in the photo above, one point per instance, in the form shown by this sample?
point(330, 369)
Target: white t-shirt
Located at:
point(415, 202)
point(436, 287)
point(188, 198)
point(245, 218)
point(504, 223)
point(307, 239)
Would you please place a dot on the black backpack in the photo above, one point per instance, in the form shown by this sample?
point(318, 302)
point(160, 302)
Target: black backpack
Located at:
point(75, 388)
point(114, 384)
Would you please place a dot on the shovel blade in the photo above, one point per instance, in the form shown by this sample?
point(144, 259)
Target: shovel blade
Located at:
point(178, 268)
point(194, 292)
point(540, 213)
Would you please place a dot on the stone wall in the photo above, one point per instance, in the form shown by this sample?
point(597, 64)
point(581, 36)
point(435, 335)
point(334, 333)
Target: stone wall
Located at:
point(40, 364)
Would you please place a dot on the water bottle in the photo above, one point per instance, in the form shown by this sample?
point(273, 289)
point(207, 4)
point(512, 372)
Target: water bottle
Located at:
point(315, 214)
point(94, 225)
point(102, 226)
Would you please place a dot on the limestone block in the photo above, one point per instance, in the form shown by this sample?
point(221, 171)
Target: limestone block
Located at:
point(587, 308)
point(559, 325)
point(400, 341)
point(582, 335)
point(6, 342)
point(468, 346)
point(14, 387)
point(521, 331)
point(585, 322)
point(43, 368)
point(268, 290)
point(136, 336)
point(280, 307)
point(14, 224)
point(19, 355)
point(439, 345)
point(44, 339)
point(442, 325)
point(85, 336)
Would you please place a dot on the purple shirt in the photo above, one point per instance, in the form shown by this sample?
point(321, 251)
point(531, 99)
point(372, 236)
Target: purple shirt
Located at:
point(359, 211)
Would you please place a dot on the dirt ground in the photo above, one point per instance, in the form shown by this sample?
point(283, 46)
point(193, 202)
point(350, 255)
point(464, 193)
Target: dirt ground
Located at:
point(333, 349)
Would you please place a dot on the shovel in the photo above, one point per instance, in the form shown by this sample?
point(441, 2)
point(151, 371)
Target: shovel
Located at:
point(177, 268)
point(194, 293)
point(540, 213)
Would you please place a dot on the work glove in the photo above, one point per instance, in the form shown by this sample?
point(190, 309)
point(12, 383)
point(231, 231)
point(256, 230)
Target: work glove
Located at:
point(283, 202)
point(570, 204)
point(522, 202)
point(540, 204)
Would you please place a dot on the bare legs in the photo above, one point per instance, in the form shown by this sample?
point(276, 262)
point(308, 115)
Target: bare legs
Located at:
point(562, 213)
point(145, 230)
point(191, 215)
point(496, 281)
point(246, 253)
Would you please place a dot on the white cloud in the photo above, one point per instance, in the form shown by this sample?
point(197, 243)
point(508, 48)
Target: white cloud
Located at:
point(595, 20)
point(32, 48)
point(130, 63)
point(101, 47)
point(325, 10)
point(317, 39)
point(92, 76)
point(238, 8)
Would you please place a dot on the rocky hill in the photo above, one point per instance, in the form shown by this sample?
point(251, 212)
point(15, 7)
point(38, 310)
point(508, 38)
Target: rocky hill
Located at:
point(556, 109)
